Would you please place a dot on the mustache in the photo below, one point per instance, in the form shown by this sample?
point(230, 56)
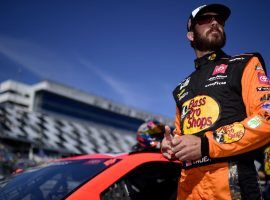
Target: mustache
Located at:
point(214, 28)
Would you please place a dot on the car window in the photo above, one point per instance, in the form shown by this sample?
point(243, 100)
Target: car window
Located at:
point(52, 181)
point(156, 180)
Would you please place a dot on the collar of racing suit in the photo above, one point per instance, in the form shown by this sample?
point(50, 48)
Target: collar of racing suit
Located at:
point(208, 58)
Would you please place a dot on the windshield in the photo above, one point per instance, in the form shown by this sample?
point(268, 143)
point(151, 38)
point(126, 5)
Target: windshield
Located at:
point(51, 181)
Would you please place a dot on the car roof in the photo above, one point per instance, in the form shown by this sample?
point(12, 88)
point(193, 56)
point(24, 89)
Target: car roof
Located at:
point(95, 156)
point(119, 156)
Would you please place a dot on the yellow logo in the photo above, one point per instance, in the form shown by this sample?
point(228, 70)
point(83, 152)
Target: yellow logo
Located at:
point(212, 56)
point(199, 113)
point(180, 93)
point(230, 133)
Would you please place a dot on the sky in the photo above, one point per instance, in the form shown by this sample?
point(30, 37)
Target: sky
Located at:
point(133, 52)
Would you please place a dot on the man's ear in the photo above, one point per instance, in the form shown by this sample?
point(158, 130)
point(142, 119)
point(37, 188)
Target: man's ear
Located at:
point(190, 36)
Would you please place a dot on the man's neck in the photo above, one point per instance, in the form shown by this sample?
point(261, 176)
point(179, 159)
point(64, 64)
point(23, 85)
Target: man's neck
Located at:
point(200, 54)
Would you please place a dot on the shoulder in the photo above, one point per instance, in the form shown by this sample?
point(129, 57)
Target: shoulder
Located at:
point(245, 59)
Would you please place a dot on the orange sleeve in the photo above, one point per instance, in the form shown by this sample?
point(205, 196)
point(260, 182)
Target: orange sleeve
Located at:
point(177, 129)
point(254, 131)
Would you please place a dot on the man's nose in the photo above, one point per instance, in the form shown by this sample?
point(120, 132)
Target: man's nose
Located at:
point(213, 21)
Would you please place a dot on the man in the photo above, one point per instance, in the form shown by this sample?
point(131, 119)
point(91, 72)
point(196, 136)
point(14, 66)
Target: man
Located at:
point(222, 115)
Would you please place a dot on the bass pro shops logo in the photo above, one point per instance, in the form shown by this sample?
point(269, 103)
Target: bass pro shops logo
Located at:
point(198, 114)
point(230, 133)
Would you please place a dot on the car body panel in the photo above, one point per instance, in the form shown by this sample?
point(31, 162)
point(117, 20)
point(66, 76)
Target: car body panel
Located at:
point(93, 188)
point(136, 176)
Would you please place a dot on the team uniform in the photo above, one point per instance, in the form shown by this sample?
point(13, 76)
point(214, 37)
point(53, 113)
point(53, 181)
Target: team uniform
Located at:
point(225, 102)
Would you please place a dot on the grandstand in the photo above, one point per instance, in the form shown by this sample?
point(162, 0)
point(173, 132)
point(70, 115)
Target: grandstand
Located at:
point(60, 120)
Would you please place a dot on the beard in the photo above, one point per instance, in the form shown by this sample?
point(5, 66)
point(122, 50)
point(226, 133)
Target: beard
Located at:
point(212, 41)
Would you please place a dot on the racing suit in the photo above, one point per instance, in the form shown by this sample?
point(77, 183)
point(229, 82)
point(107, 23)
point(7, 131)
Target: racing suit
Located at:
point(225, 102)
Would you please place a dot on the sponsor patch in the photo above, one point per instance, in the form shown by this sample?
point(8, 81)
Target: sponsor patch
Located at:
point(184, 83)
point(201, 161)
point(258, 68)
point(220, 69)
point(254, 122)
point(181, 96)
point(184, 112)
point(229, 134)
point(265, 97)
point(237, 59)
point(217, 83)
point(265, 106)
point(265, 115)
point(263, 78)
point(181, 92)
point(260, 89)
point(201, 112)
point(212, 56)
point(217, 77)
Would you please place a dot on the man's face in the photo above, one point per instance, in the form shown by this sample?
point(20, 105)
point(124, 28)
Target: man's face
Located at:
point(209, 33)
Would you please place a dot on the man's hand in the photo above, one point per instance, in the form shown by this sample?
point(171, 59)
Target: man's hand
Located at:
point(186, 147)
point(166, 145)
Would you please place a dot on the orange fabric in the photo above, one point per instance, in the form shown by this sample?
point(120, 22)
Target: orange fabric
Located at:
point(177, 129)
point(253, 137)
point(207, 182)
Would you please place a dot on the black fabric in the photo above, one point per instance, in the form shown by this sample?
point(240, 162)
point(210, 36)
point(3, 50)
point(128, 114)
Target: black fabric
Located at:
point(248, 180)
point(204, 146)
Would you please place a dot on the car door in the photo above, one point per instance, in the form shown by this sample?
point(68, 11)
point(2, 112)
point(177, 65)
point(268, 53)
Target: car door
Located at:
point(154, 180)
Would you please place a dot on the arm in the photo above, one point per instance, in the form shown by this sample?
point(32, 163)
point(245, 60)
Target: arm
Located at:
point(254, 131)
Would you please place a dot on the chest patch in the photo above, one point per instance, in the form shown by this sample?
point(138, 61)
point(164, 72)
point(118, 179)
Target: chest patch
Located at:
point(220, 69)
point(199, 113)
